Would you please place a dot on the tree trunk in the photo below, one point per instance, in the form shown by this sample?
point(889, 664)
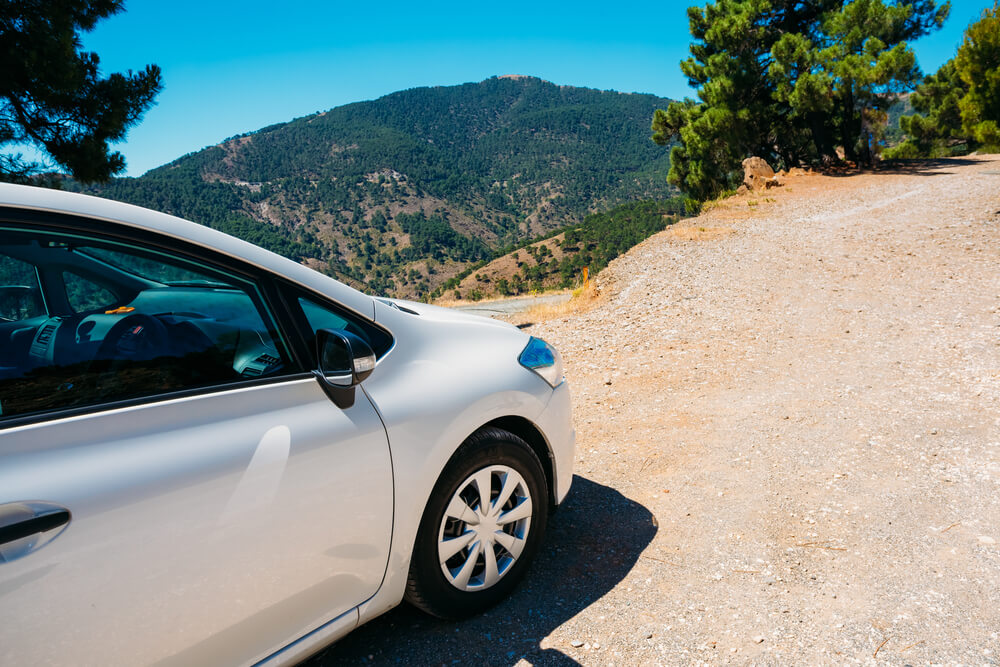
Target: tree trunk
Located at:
point(821, 138)
point(848, 131)
point(865, 139)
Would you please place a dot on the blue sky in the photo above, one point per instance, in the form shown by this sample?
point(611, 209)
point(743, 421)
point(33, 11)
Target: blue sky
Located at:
point(234, 67)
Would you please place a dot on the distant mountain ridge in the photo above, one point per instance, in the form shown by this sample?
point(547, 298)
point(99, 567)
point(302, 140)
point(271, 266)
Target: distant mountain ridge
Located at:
point(401, 193)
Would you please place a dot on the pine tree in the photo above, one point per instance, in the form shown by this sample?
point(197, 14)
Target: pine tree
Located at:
point(738, 113)
point(978, 65)
point(959, 105)
point(937, 129)
point(789, 81)
point(864, 62)
point(52, 95)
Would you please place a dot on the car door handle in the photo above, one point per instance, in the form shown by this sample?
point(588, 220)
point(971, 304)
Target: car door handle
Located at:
point(24, 519)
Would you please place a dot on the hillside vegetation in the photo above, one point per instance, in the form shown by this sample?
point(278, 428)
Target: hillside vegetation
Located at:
point(795, 83)
point(558, 260)
point(401, 194)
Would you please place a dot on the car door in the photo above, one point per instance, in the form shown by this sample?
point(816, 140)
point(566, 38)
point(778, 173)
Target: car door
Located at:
point(175, 487)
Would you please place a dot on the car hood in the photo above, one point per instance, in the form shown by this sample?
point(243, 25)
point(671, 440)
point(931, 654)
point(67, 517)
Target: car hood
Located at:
point(444, 315)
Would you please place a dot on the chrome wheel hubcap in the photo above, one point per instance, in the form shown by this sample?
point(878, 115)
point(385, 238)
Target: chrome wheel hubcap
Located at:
point(484, 528)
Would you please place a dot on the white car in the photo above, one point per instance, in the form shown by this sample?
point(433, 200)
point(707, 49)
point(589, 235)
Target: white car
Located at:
point(212, 455)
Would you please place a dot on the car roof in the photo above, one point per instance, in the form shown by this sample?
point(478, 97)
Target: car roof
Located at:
point(58, 201)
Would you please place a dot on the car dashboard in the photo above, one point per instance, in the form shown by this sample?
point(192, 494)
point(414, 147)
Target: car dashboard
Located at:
point(171, 337)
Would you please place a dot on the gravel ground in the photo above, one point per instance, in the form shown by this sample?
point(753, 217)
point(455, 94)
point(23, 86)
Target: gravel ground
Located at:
point(788, 418)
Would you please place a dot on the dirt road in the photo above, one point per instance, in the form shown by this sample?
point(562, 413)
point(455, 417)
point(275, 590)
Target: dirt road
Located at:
point(513, 305)
point(788, 416)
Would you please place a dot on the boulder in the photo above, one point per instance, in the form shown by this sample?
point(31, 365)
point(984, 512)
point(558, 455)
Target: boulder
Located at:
point(757, 174)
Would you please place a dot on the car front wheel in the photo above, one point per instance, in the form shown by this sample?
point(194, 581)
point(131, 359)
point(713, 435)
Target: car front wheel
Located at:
point(481, 528)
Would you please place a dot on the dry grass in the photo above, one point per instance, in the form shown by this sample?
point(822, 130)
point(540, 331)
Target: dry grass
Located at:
point(453, 303)
point(721, 201)
point(582, 300)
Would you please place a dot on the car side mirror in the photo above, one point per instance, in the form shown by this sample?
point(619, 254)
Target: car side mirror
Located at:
point(345, 360)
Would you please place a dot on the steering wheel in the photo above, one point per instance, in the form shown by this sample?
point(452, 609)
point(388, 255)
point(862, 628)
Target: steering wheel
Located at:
point(120, 368)
point(136, 337)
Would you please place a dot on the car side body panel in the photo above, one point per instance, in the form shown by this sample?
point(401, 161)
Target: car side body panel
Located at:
point(208, 528)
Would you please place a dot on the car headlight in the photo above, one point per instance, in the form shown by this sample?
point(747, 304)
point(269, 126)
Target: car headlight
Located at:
point(543, 359)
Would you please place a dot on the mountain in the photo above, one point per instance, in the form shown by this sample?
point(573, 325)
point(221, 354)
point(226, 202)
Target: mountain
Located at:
point(400, 194)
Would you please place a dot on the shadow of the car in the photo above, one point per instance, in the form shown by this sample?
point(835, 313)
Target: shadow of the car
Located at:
point(593, 542)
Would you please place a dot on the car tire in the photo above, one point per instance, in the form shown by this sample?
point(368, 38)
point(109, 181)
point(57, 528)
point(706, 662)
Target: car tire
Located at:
point(466, 559)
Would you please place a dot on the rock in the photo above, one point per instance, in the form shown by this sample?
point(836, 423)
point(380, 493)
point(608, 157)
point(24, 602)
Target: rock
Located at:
point(758, 167)
point(759, 639)
point(756, 173)
point(576, 643)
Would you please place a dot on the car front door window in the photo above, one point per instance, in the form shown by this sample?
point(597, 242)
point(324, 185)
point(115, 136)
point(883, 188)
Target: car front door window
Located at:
point(134, 323)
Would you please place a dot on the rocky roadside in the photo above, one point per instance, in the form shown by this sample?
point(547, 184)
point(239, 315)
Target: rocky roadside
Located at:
point(788, 419)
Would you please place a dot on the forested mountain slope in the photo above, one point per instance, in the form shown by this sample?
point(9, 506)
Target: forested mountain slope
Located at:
point(401, 193)
point(558, 260)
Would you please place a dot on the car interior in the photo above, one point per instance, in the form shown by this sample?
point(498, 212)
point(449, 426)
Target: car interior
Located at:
point(83, 322)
